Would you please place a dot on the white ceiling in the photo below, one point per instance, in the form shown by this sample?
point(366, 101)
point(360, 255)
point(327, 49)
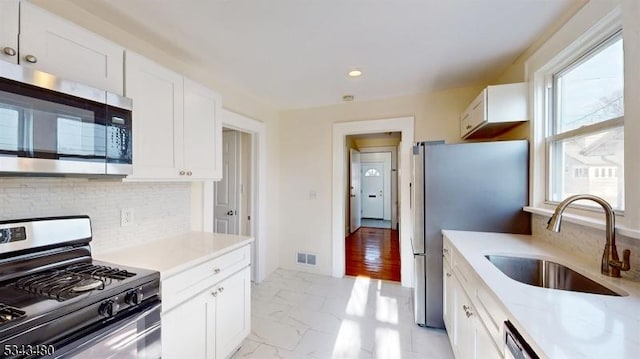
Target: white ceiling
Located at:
point(296, 53)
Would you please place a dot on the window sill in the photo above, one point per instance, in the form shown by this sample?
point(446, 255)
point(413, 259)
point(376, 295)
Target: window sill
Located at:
point(584, 221)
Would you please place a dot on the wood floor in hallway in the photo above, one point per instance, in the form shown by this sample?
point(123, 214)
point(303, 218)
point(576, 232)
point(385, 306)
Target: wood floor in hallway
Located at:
point(373, 252)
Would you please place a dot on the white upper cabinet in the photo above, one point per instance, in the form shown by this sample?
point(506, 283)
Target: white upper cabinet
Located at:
point(9, 28)
point(495, 110)
point(202, 132)
point(176, 132)
point(57, 46)
point(157, 95)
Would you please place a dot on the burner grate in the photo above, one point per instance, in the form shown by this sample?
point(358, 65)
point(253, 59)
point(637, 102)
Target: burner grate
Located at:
point(8, 314)
point(100, 271)
point(71, 281)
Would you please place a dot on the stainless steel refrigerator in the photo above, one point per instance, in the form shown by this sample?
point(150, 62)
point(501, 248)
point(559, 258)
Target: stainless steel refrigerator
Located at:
point(473, 187)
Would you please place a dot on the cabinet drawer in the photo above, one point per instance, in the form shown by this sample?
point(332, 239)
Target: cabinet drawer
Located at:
point(192, 281)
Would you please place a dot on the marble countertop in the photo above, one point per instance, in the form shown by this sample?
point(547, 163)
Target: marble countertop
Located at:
point(557, 324)
point(173, 255)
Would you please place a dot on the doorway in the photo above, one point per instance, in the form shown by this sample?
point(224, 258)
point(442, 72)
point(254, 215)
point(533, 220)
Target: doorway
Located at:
point(231, 211)
point(255, 190)
point(340, 200)
point(372, 246)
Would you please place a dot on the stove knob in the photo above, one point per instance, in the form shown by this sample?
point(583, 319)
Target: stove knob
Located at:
point(133, 298)
point(108, 308)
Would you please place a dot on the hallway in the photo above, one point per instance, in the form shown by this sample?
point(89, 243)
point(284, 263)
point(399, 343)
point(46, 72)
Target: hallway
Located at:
point(373, 252)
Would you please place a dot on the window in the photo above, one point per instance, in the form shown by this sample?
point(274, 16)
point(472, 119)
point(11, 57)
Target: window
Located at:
point(585, 125)
point(9, 129)
point(372, 172)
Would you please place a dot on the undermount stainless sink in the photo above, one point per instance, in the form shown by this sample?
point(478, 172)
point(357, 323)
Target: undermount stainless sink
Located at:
point(547, 274)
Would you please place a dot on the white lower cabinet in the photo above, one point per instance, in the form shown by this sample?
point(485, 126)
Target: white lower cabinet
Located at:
point(212, 323)
point(468, 335)
point(233, 313)
point(185, 329)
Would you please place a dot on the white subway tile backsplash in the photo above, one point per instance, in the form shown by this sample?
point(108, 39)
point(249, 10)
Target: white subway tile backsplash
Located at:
point(587, 243)
point(161, 209)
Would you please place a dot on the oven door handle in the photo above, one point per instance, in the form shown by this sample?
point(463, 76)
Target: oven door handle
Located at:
point(117, 336)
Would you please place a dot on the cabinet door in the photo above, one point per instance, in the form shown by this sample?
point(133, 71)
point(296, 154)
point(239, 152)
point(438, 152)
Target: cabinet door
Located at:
point(187, 329)
point(201, 132)
point(9, 25)
point(478, 110)
point(447, 295)
point(69, 51)
point(465, 126)
point(233, 312)
point(485, 346)
point(465, 342)
point(157, 95)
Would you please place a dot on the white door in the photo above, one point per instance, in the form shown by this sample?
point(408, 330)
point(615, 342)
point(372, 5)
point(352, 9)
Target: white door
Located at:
point(372, 190)
point(225, 212)
point(354, 190)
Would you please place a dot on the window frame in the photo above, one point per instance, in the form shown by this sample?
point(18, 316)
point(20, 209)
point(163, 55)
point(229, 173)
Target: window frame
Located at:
point(551, 110)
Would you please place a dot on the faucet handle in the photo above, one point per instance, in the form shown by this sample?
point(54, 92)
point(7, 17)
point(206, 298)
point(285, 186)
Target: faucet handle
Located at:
point(623, 265)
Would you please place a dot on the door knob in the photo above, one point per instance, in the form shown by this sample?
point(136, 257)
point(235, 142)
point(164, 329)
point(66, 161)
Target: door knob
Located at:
point(231, 213)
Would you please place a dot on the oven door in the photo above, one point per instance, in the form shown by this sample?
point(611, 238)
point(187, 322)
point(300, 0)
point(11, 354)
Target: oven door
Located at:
point(134, 337)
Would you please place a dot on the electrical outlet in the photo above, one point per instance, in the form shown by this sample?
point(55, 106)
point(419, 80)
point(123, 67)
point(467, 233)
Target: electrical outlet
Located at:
point(126, 217)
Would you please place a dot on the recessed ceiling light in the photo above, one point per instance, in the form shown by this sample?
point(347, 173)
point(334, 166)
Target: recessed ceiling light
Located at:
point(355, 73)
point(347, 98)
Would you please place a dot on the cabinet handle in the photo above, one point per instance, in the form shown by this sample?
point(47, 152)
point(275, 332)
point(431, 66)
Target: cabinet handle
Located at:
point(216, 270)
point(221, 289)
point(467, 310)
point(10, 51)
point(214, 293)
point(445, 250)
point(30, 58)
point(189, 173)
point(181, 173)
point(468, 127)
point(448, 274)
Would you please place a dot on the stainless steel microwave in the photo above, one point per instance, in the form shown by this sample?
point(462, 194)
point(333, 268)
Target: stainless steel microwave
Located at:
point(52, 126)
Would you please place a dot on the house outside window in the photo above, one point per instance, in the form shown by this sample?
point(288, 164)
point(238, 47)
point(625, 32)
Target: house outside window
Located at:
point(585, 125)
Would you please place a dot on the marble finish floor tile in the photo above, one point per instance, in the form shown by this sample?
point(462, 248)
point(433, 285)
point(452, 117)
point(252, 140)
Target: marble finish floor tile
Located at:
point(303, 315)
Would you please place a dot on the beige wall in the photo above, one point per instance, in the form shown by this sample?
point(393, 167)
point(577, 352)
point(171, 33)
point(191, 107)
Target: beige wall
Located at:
point(306, 161)
point(234, 99)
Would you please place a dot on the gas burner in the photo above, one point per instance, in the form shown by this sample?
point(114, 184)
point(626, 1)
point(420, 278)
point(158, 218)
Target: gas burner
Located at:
point(71, 281)
point(8, 314)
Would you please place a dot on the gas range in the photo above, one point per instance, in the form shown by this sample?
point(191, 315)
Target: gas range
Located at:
point(53, 294)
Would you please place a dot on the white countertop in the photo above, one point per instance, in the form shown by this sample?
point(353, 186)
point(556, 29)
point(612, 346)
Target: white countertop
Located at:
point(175, 254)
point(557, 324)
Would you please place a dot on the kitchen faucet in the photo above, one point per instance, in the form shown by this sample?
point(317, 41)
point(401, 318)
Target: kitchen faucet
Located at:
point(611, 265)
